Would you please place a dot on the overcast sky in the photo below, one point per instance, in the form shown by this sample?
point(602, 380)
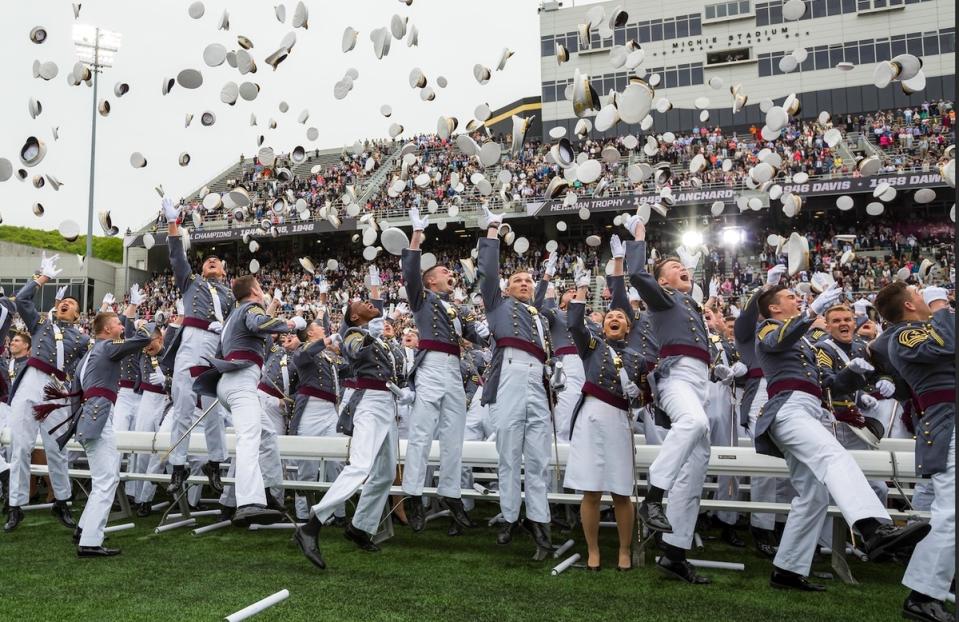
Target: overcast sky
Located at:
point(160, 39)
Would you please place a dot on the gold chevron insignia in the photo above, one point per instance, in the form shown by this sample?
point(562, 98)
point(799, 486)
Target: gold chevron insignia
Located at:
point(912, 337)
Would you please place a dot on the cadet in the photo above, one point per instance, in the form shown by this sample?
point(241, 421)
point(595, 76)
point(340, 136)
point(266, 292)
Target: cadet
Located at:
point(206, 300)
point(233, 378)
point(57, 345)
point(923, 351)
point(790, 427)
point(10, 365)
point(514, 390)
point(440, 406)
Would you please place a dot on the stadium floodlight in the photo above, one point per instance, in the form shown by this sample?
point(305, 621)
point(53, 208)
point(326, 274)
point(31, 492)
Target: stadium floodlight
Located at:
point(733, 236)
point(692, 238)
point(96, 48)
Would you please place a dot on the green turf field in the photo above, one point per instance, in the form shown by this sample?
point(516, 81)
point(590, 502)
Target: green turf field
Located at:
point(427, 576)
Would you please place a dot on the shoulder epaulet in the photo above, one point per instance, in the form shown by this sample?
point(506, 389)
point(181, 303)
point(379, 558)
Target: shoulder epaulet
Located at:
point(192, 277)
point(766, 329)
point(353, 336)
point(257, 310)
point(912, 337)
point(118, 341)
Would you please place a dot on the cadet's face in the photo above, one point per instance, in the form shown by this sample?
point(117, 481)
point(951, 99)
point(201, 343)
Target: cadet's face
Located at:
point(213, 268)
point(786, 304)
point(18, 347)
point(68, 310)
point(388, 331)
point(615, 325)
point(730, 324)
point(411, 340)
point(915, 299)
point(314, 332)
point(156, 344)
point(675, 275)
point(441, 279)
point(290, 341)
point(867, 331)
point(597, 316)
point(521, 286)
point(363, 312)
point(841, 326)
point(567, 296)
point(113, 329)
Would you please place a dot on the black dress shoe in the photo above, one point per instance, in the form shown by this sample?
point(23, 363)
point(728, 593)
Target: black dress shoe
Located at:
point(730, 537)
point(540, 533)
point(457, 512)
point(96, 551)
point(177, 480)
point(653, 516)
point(361, 538)
point(13, 518)
point(682, 570)
point(888, 538)
point(416, 515)
point(309, 547)
point(212, 472)
point(505, 535)
point(929, 610)
point(227, 512)
point(792, 581)
point(255, 514)
point(61, 510)
point(273, 503)
point(763, 540)
point(454, 529)
point(144, 509)
point(78, 533)
point(340, 521)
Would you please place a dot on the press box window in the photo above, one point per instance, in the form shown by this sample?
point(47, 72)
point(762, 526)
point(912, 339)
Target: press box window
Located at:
point(722, 57)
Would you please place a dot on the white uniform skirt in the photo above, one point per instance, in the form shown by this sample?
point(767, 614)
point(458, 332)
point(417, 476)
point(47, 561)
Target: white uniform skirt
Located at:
point(600, 450)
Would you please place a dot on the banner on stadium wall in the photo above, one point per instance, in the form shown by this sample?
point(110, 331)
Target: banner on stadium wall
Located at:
point(207, 236)
point(706, 196)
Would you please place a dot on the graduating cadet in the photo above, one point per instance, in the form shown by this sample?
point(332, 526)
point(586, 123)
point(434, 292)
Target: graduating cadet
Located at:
point(681, 377)
point(601, 451)
point(207, 301)
point(10, 365)
point(153, 402)
point(370, 417)
point(96, 384)
point(514, 390)
point(923, 350)
point(57, 345)
point(234, 378)
point(277, 383)
point(790, 427)
point(440, 406)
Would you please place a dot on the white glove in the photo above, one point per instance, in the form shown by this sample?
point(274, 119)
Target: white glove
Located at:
point(61, 292)
point(775, 274)
point(632, 391)
point(492, 219)
point(631, 223)
point(277, 295)
point(179, 306)
point(157, 378)
point(930, 294)
point(885, 387)
point(482, 329)
point(375, 277)
point(583, 279)
point(48, 265)
point(866, 401)
point(336, 339)
point(375, 326)
point(550, 267)
point(419, 223)
point(324, 287)
point(298, 322)
point(215, 327)
point(826, 299)
point(722, 372)
point(170, 210)
point(503, 283)
point(402, 309)
point(108, 300)
point(616, 247)
point(406, 397)
point(136, 295)
point(739, 369)
point(860, 366)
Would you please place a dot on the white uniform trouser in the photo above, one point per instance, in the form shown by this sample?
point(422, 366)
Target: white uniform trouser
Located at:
point(4, 423)
point(819, 467)
point(24, 428)
point(125, 410)
point(761, 489)
point(653, 433)
point(439, 410)
point(933, 563)
point(154, 465)
point(237, 392)
point(523, 431)
point(478, 428)
point(194, 345)
point(273, 425)
point(104, 460)
point(681, 464)
point(372, 463)
point(149, 411)
point(723, 432)
point(566, 400)
point(318, 419)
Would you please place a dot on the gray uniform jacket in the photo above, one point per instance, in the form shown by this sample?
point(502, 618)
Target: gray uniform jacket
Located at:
point(244, 342)
point(318, 371)
point(130, 366)
point(744, 338)
point(879, 356)
point(512, 323)
point(197, 292)
point(44, 339)
point(601, 367)
point(925, 354)
point(843, 387)
point(472, 366)
point(9, 368)
point(641, 336)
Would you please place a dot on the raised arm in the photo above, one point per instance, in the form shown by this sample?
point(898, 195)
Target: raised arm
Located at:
point(259, 322)
point(25, 305)
point(774, 336)
point(117, 351)
point(576, 318)
point(413, 275)
point(182, 274)
point(649, 290)
point(744, 328)
point(489, 270)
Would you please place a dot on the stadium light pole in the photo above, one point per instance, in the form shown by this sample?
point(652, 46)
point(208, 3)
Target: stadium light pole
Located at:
point(95, 48)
